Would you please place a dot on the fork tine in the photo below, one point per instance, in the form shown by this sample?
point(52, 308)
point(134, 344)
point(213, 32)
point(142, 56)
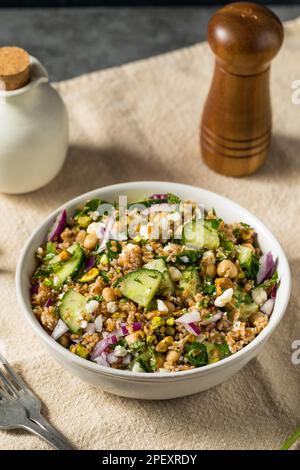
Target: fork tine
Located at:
point(3, 394)
point(15, 377)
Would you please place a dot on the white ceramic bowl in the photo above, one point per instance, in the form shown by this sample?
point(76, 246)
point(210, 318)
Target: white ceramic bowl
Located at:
point(156, 385)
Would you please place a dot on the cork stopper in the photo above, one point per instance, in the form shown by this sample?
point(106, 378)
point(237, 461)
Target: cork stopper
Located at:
point(14, 68)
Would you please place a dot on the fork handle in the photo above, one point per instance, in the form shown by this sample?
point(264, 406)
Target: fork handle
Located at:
point(39, 419)
point(53, 438)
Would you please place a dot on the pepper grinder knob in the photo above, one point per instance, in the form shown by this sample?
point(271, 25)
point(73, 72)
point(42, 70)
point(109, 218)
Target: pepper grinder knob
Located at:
point(236, 120)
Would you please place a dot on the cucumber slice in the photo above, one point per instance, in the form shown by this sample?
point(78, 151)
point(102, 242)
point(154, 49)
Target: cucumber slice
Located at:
point(56, 259)
point(140, 286)
point(244, 255)
point(71, 308)
point(198, 234)
point(166, 287)
point(246, 310)
point(69, 268)
point(190, 281)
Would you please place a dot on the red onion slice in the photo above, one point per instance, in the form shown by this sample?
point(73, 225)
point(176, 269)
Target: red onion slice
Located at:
point(58, 226)
point(34, 289)
point(136, 326)
point(60, 329)
point(123, 331)
point(103, 344)
point(274, 291)
point(112, 358)
point(127, 359)
point(216, 317)
point(266, 267)
point(159, 196)
point(189, 317)
point(268, 306)
point(49, 302)
point(101, 360)
point(109, 223)
point(90, 262)
point(195, 328)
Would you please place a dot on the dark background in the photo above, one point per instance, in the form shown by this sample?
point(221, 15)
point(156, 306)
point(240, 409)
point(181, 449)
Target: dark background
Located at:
point(97, 34)
point(89, 3)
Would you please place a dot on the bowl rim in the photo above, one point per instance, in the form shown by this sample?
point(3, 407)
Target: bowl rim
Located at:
point(144, 376)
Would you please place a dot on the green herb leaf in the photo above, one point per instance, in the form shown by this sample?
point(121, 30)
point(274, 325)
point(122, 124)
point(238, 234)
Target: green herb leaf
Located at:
point(137, 346)
point(251, 267)
point(208, 288)
point(224, 350)
point(104, 276)
point(196, 354)
point(42, 271)
point(172, 199)
point(113, 249)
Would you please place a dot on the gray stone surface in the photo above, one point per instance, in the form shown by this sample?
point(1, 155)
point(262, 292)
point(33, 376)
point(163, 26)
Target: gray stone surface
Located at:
point(70, 42)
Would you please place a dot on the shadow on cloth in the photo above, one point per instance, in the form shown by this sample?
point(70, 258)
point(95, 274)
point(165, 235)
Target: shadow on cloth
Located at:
point(88, 168)
point(283, 159)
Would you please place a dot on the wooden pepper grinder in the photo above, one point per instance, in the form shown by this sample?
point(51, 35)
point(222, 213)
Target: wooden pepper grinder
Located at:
point(236, 121)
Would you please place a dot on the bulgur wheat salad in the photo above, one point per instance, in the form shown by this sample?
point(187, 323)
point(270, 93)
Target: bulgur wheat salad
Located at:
point(160, 285)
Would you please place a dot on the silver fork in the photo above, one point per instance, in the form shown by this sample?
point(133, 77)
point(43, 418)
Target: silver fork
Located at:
point(20, 408)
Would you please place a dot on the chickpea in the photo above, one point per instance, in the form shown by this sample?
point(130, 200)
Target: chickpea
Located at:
point(172, 357)
point(90, 241)
point(210, 270)
point(109, 294)
point(81, 237)
point(227, 269)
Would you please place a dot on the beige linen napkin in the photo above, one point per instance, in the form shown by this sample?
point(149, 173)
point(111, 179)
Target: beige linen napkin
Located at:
point(138, 122)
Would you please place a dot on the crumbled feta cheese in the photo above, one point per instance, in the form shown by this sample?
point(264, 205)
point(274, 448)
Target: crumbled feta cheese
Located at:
point(259, 296)
point(99, 323)
point(137, 368)
point(185, 259)
point(224, 298)
point(56, 281)
point(83, 324)
point(120, 351)
point(163, 369)
point(148, 247)
point(112, 307)
point(97, 228)
point(91, 306)
point(175, 274)
point(161, 306)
